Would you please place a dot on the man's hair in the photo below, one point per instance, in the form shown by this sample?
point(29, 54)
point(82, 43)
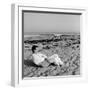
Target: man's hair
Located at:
point(34, 48)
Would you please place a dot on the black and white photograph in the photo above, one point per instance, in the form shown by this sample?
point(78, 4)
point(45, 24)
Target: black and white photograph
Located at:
point(51, 44)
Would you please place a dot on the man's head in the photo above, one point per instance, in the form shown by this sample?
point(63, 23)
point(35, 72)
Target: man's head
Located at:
point(36, 48)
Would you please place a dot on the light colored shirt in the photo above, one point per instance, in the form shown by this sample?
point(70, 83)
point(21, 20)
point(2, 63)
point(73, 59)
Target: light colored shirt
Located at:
point(38, 58)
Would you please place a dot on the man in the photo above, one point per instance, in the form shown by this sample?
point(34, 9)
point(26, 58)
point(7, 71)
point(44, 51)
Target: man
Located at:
point(42, 60)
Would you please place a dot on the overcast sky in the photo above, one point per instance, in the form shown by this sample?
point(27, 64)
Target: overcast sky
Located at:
point(46, 22)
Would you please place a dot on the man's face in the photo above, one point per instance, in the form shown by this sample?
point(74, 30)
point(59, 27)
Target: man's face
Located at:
point(38, 49)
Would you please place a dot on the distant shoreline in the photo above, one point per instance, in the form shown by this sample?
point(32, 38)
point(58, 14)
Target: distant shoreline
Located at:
point(45, 34)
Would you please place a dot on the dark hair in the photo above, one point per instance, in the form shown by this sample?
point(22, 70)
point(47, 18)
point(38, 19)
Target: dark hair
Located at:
point(34, 48)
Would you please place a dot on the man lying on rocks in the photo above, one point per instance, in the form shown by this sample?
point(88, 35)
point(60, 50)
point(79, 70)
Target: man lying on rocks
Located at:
point(41, 59)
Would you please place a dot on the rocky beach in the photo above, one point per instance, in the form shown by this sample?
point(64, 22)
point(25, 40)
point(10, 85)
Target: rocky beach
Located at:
point(67, 46)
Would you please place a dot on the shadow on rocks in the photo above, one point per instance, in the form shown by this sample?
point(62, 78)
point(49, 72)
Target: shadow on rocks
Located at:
point(30, 63)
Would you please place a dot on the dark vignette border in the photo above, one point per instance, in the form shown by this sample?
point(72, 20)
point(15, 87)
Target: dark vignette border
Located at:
point(22, 44)
point(49, 12)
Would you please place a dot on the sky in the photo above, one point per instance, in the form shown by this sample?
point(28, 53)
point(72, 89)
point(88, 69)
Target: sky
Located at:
point(48, 22)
